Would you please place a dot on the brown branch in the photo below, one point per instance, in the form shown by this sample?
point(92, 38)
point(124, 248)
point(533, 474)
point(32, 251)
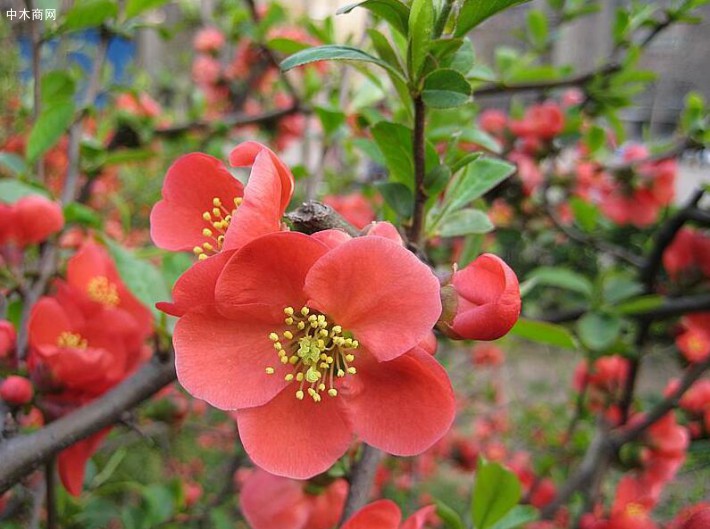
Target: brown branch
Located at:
point(22, 454)
point(635, 430)
point(361, 479)
point(416, 229)
point(312, 216)
point(232, 120)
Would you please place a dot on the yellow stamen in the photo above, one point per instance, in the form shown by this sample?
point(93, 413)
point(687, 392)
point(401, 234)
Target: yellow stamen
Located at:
point(102, 290)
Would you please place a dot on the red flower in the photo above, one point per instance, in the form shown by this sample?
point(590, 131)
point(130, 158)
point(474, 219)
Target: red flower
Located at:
point(322, 343)
point(30, 220)
point(484, 354)
point(544, 121)
point(482, 302)
point(384, 514)
point(699, 520)
point(694, 341)
point(209, 39)
point(205, 209)
point(493, 121)
point(632, 505)
point(274, 502)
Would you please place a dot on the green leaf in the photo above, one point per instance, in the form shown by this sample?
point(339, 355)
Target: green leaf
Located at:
point(482, 138)
point(585, 213)
point(330, 119)
point(12, 190)
point(57, 86)
point(598, 331)
point(394, 12)
point(81, 214)
point(480, 176)
point(287, 46)
point(473, 12)
point(446, 88)
point(618, 286)
point(450, 517)
point(89, 13)
point(517, 516)
point(496, 491)
point(383, 48)
point(49, 127)
point(544, 333)
point(640, 304)
point(395, 143)
point(398, 197)
point(595, 138)
point(537, 28)
point(466, 159)
point(333, 52)
point(464, 58)
point(142, 278)
point(435, 180)
point(553, 276)
point(465, 222)
point(13, 163)
point(136, 7)
point(421, 23)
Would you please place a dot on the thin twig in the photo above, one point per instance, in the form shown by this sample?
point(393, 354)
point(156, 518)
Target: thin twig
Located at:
point(416, 228)
point(361, 479)
point(51, 493)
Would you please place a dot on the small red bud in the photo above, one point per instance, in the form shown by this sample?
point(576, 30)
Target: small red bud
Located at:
point(16, 390)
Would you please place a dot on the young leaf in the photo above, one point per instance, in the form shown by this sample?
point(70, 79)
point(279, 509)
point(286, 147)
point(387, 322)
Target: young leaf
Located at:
point(446, 88)
point(559, 277)
point(481, 176)
point(49, 127)
point(398, 197)
point(465, 222)
point(537, 28)
point(516, 517)
point(395, 143)
point(394, 12)
point(136, 7)
point(598, 331)
point(12, 190)
point(12, 162)
point(89, 13)
point(496, 492)
point(544, 333)
point(450, 517)
point(333, 52)
point(421, 22)
point(473, 12)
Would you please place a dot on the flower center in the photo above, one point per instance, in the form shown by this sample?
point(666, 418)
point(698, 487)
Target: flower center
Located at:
point(100, 289)
point(635, 510)
point(71, 339)
point(217, 219)
point(318, 351)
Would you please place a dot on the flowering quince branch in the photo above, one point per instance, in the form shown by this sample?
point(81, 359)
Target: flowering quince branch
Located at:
point(361, 480)
point(313, 216)
point(607, 442)
point(20, 454)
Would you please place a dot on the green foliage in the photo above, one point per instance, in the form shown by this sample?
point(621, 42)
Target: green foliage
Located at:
point(473, 12)
point(496, 492)
point(334, 53)
point(90, 13)
point(445, 88)
point(12, 190)
point(393, 11)
point(544, 333)
point(421, 21)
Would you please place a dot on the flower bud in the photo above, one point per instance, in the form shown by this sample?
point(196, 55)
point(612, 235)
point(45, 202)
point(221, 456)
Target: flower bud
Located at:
point(482, 301)
point(35, 219)
point(16, 390)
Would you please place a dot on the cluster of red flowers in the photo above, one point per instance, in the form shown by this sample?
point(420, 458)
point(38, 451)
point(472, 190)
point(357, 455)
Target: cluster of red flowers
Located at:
point(251, 72)
point(603, 384)
point(312, 340)
point(84, 340)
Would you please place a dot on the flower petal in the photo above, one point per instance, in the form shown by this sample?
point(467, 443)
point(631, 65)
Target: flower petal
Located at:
point(419, 518)
point(191, 183)
point(273, 502)
point(71, 462)
point(196, 286)
point(379, 291)
point(294, 438)
point(266, 195)
point(402, 406)
point(381, 514)
point(271, 270)
point(246, 153)
point(223, 361)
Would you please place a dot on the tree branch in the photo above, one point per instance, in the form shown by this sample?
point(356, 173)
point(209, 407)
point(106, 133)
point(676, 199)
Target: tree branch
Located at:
point(415, 231)
point(361, 479)
point(313, 216)
point(22, 454)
